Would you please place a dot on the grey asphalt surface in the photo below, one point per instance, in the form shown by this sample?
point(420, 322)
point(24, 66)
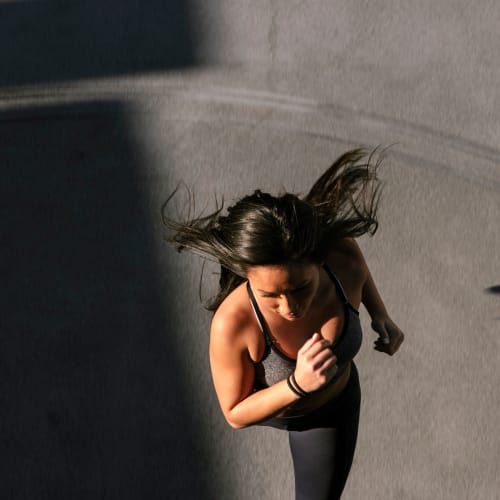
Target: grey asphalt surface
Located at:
point(105, 376)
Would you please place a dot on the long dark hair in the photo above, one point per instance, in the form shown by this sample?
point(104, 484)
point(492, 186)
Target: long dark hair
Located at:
point(262, 229)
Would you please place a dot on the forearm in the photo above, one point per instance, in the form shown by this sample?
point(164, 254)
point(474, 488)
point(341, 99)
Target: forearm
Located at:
point(261, 405)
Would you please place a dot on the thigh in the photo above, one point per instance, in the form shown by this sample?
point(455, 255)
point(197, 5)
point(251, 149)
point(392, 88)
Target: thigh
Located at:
point(322, 459)
point(314, 455)
point(322, 456)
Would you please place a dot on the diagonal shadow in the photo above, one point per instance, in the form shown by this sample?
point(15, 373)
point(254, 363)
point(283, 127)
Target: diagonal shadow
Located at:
point(47, 41)
point(91, 401)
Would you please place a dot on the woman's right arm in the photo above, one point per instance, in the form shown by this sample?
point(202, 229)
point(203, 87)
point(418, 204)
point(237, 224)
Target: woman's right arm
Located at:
point(233, 374)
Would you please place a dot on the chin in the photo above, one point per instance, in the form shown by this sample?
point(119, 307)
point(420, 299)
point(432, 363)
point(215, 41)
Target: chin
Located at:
point(293, 317)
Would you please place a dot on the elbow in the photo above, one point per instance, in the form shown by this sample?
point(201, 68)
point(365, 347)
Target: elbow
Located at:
point(235, 424)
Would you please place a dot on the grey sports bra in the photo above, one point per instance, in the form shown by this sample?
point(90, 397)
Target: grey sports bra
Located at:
point(275, 365)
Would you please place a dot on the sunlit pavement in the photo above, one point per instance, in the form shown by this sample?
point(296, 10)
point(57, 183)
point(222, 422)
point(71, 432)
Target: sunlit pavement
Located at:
point(265, 96)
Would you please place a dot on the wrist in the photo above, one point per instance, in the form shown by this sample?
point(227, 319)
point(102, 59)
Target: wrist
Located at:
point(295, 387)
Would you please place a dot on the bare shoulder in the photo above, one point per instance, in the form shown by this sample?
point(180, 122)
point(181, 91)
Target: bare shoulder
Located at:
point(348, 263)
point(232, 321)
point(348, 252)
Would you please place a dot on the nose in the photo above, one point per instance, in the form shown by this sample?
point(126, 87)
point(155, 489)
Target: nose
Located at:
point(288, 306)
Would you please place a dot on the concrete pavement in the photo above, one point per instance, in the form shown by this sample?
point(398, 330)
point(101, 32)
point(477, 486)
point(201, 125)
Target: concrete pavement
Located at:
point(106, 378)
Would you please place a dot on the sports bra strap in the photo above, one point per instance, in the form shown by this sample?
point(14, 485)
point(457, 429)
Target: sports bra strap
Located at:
point(258, 315)
point(337, 283)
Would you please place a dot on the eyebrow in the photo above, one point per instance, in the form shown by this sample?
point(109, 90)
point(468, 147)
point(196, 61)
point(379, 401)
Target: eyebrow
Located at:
point(298, 287)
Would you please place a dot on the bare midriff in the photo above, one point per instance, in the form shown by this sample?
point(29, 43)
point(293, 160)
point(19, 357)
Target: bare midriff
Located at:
point(317, 399)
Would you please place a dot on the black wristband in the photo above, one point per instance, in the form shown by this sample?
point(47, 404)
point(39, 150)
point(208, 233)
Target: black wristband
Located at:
point(293, 389)
point(297, 386)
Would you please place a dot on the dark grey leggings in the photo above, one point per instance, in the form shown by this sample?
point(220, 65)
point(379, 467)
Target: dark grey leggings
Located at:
point(322, 455)
point(323, 443)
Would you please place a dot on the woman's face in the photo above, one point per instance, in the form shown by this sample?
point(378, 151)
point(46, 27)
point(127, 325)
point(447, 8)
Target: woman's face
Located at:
point(287, 289)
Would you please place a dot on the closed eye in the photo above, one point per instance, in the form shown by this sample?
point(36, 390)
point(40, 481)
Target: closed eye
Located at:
point(297, 291)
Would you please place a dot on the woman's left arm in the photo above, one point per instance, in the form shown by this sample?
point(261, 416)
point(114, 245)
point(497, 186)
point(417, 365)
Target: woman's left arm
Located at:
point(390, 336)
